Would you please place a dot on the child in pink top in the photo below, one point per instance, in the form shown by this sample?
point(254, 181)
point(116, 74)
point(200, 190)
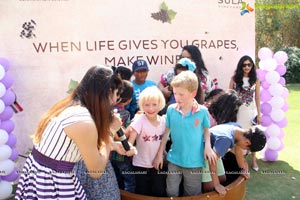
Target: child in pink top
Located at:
point(147, 130)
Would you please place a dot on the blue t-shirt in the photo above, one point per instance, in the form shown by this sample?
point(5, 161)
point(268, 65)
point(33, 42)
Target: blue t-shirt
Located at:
point(222, 137)
point(133, 107)
point(187, 149)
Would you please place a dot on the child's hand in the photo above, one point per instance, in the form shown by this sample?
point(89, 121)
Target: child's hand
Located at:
point(133, 151)
point(158, 162)
point(211, 156)
point(221, 189)
point(245, 173)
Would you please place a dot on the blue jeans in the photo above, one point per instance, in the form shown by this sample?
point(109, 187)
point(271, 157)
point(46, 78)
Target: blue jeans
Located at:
point(125, 175)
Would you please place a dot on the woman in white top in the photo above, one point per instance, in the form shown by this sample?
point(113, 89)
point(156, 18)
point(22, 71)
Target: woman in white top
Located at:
point(246, 83)
point(78, 127)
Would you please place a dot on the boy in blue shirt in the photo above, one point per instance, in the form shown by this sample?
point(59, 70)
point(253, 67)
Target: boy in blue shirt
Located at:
point(229, 135)
point(188, 123)
point(140, 71)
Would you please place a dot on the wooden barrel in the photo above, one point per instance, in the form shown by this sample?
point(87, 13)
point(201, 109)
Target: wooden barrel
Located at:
point(236, 191)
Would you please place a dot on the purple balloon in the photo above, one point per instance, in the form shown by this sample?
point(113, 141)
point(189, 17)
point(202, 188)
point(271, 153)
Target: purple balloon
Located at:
point(12, 140)
point(285, 93)
point(14, 154)
point(265, 95)
point(261, 74)
point(265, 85)
point(265, 53)
point(285, 107)
point(281, 134)
point(281, 147)
point(9, 98)
point(271, 155)
point(7, 113)
point(12, 176)
point(282, 81)
point(266, 120)
point(281, 57)
point(283, 123)
point(7, 80)
point(281, 69)
point(266, 108)
point(7, 125)
point(5, 63)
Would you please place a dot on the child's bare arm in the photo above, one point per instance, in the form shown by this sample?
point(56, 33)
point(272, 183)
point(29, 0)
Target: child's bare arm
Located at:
point(208, 152)
point(242, 163)
point(214, 176)
point(132, 134)
point(158, 160)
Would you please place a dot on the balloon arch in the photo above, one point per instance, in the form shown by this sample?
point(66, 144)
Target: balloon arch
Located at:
point(273, 99)
point(8, 152)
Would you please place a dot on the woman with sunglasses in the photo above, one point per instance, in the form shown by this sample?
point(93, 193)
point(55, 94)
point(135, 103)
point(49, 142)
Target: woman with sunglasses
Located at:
point(246, 83)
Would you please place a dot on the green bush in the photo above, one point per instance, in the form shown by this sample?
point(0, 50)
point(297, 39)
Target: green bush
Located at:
point(293, 65)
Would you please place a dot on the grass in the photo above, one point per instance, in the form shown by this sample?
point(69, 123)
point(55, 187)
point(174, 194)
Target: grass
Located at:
point(281, 179)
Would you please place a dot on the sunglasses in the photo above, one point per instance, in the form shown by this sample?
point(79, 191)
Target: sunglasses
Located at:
point(247, 64)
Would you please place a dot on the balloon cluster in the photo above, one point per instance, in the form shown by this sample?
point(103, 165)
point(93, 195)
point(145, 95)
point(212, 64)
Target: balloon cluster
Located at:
point(8, 152)
point(273, 99)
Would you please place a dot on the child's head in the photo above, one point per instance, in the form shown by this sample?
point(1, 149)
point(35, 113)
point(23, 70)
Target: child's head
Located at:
point(183, 65)
point(213, 96)
point(124, 72)
point(126, 94)
point(226, 107)
point(140, 71)
point(185, 87)
point(151, 100)
point(187, 80)
point(255, 138)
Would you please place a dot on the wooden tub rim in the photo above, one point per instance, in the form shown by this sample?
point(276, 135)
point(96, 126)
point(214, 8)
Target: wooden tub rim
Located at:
point(239, 182)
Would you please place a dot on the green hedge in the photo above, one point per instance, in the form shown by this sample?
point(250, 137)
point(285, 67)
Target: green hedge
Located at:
point(293, 65)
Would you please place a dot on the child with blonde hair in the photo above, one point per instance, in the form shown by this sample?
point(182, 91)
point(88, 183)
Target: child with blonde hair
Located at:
point(188, 123)
point(147, 130)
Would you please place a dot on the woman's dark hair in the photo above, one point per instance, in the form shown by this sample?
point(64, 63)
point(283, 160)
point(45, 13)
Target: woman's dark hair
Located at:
point(94, 92)
point(226, 107)
point(239, 73)
point(196, 57)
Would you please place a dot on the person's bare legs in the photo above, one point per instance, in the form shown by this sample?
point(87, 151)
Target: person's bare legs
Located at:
point(254, 162)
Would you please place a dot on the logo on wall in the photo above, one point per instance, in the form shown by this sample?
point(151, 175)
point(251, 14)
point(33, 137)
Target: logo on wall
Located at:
point(246, 8)
point(28, 29)
point(165, 14)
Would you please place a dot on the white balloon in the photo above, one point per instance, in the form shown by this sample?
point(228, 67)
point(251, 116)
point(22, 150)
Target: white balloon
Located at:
point(6, 167)
point(277, 115)
point(276, 89)
point(2, 106)
point(272, 77)
point(273, 130)
point(6, 189)
point(262, 64)
point(277, 102)
point(270, 64)
point(2, 72)
point(5, 152)
point(273, 143)
point(3, 136)
point(2, 90)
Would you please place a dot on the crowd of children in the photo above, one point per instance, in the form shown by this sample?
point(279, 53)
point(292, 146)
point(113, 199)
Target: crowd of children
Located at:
point(185, 111)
